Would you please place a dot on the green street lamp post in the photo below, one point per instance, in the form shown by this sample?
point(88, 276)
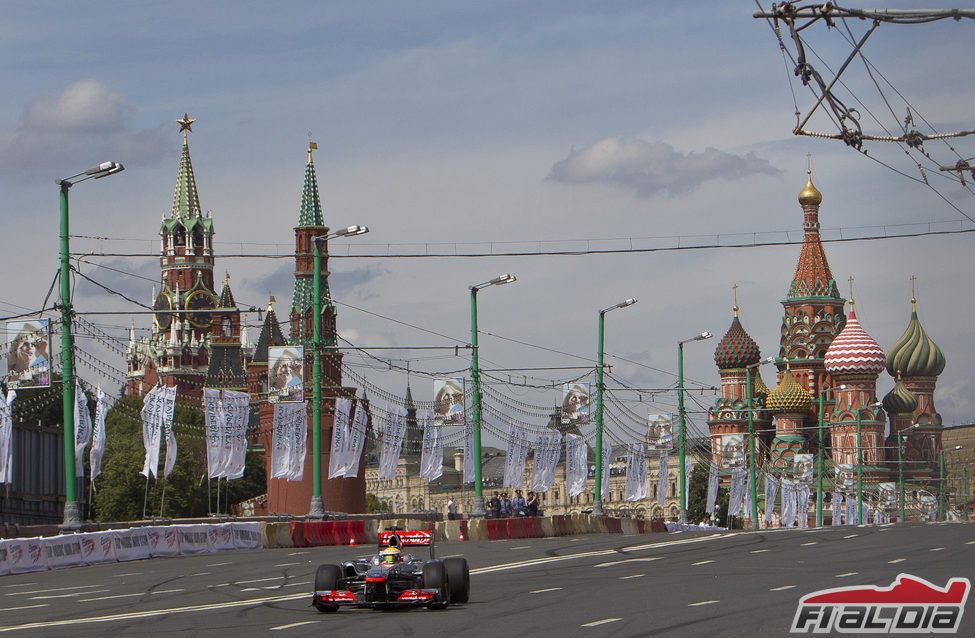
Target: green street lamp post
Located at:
point(597, 507)
point(680, 412)
point(316, 509)
point(900, 467)
point(751, 439)
point(72, 509)
point(477, 510)
point(819, 457)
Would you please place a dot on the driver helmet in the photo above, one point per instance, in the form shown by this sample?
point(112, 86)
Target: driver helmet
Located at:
point(390, 556)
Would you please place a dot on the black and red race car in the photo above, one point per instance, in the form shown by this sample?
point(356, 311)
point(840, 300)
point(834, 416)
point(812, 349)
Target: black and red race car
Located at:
point(393, 578)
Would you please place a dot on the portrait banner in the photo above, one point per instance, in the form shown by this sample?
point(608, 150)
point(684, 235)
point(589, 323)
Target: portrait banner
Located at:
point(338, 460)
point(737, 491)
point(712, 488)
point(732, 451)
point(575, 464)
point(82, 428)
point(548, 449)
point(6, 437)
point(844, 477)
point(448, 402)
point(357, 439)
point(660, 431)
point(431, 453)
point(98, 434)
point(514, 463)
point(575, 403)
point(28, 359)
point(771, 491)
point(662, 480)
point(802, 468)
point(286, 370)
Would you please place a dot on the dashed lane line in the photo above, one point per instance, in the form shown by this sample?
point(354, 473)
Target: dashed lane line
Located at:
point(633, 576)
point(704, 602)
point(896, 560)
point(521, 547)
point(287, 564)
point(937, 549)
point(596, 623)
point(808, 544)
point(229, 562)
point(630, 560)
point(24, 607)
point(758, 551)
point(783, 588)
point(850, 536)
point(44, 591)
point(71, 595)
point(847, 574)
point(127, 574)
point(91, 600)
point(294, 624)
point(542, 591)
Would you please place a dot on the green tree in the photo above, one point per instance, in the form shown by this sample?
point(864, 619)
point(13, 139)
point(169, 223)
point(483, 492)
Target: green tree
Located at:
point(697, 496)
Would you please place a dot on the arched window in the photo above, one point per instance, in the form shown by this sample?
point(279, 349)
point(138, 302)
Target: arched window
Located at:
point(179, 235)
point(225, 328)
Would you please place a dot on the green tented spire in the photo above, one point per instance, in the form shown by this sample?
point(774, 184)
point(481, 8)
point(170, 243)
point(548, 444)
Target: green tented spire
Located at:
point(311, 203)
point(186, 201)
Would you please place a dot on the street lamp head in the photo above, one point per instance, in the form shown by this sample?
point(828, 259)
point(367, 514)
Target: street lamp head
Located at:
point(502, 279)
point(760, 362)
point(957, 447)
point(352, 231)
point(701, 337)
point(104, 170)
point(628, 302)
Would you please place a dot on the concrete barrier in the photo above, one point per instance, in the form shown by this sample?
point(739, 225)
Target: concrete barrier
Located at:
point(474, 530)
point(269, 536)
point(371, 527)
point(547, 526)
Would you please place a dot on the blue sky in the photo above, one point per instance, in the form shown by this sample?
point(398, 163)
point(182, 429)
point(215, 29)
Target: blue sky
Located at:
point(442, 124)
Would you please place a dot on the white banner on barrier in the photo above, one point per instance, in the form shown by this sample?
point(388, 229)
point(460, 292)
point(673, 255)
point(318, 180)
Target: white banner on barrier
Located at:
point(193, 539)
point(247, 535)
point(97, 547)
point(62, 551)
point(163, 541)
point(26, 555)
point(131, 544)
point(220, 537)
point(4, 565)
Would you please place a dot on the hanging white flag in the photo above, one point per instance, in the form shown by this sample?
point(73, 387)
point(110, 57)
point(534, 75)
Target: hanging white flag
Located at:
point(393, 438)
point(214, 421)
point(663, 479)
point(152, 431)
point(837, 508)
point(468, 451)
point(281, 438)
point(687, 482)
point(338, 461)
point(575, 464)
point(357, 439)
point(802, 501)
point(6, 438)
point(712, 488)
point(748, 495)
point(299, 440)
point(636, 473)
point(771, 490)
point(788, 503)
point(431, 457)
point(737, 491)
point(851, 511)
point(98, 434)
point(607, 459)
point(168, 410)
point(236, 408)
point(548, 449)
point(514, 463)
point(82, 428)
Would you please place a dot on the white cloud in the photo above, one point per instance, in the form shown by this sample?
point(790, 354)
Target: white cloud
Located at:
point(652, 167)
point(86, 106)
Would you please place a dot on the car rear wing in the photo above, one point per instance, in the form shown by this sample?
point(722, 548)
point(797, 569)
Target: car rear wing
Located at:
point(396, 537)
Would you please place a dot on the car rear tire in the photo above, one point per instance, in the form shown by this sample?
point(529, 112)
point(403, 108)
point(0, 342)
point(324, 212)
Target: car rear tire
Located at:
point(435, 577)
point(327, 578)
point(458, 579)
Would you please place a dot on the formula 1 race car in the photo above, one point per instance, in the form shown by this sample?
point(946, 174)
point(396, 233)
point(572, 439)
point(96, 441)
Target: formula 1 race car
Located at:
point(393, 578)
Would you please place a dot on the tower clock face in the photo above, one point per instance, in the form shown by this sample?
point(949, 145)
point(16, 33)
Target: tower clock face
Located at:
point(161, 308)
point(201, 302)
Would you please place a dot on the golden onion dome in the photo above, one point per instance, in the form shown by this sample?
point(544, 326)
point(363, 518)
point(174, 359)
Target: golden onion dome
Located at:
point(810, 195)
point(788, 397)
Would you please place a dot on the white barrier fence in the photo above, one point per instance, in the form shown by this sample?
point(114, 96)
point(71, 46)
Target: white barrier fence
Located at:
point(22, 555)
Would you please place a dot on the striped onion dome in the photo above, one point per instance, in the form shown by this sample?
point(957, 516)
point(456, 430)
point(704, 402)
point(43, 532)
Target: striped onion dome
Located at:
point(900, 400)
point(853, 351)
point(736, 349)
point(789, 396)
point(915, 354)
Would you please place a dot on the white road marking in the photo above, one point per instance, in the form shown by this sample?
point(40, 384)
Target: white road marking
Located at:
point(128, 574)
point(43, 591)
point(896, 560)
point(295, 624)
point(937, 549)
point(633, 576)
point(287, 564)
point(298, 553)
point(166, 591)
point(758, 551)
point(704, 602)
point(229, 562)
point(542, 591)
point(72, 595)
point(522, 547)
point(307, 582)
point(257, 580)
point(24, 607)
point(19, 585)
point(201, 574)
point(847, 574)
point(630, 560)
point(782, 588)
point(89, 600)
point(703, 562)
point(850, 536)
point(808, 544)
point(596, 623)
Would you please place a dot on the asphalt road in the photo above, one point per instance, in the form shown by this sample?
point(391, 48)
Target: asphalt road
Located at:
point(730, 584)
